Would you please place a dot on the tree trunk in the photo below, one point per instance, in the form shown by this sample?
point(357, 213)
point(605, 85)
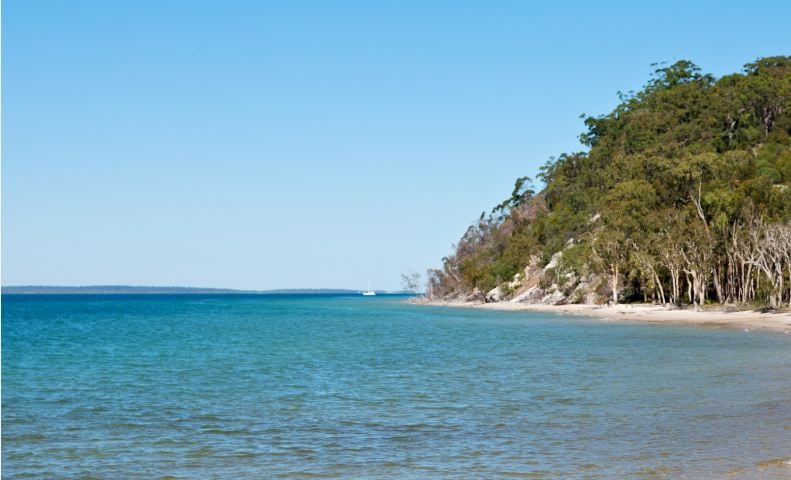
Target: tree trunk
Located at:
point(718, 285)
point(676, 280)
point(614, 269)
point(659, 288)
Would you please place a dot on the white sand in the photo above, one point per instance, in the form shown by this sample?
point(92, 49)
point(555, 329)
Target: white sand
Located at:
point(646, 313)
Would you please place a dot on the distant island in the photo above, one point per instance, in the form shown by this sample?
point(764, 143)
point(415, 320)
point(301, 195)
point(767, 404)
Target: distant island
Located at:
point(149, 290)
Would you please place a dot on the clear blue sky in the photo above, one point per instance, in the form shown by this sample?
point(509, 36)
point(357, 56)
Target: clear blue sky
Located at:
point(307, 144)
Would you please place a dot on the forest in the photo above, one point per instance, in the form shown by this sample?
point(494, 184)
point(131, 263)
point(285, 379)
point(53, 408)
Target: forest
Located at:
point(682, 196)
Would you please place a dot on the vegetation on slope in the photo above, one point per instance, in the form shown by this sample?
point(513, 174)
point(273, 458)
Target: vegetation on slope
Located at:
point(682, 197)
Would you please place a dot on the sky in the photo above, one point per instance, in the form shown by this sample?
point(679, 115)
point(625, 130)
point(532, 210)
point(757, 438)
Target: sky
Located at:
point(263, 145)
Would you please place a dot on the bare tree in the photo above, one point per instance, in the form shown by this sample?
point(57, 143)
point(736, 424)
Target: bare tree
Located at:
point(697, 256)
point(411, 282)
point(610, 252)
point(772, 244)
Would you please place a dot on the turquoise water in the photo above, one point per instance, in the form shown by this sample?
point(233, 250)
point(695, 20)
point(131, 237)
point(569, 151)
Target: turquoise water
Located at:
point(350, 387)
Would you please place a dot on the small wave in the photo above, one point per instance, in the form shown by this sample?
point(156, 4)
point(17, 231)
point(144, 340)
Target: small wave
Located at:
point(775, 462)
point(219, 431)
point(303, 474)
point(303, 451)
point(29, 437)
point(241, 455)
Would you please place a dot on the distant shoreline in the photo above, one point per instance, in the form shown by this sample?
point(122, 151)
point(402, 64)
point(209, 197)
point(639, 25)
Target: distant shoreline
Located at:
point(780, 322)
point(150, 290)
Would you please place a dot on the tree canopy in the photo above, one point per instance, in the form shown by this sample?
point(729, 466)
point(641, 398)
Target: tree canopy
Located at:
point(682, 196)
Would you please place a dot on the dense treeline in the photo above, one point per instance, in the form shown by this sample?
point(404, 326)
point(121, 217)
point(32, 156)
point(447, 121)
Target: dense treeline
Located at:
point(682, 197)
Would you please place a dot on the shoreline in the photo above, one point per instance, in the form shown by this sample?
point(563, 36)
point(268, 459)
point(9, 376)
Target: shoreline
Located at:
point(779, 322)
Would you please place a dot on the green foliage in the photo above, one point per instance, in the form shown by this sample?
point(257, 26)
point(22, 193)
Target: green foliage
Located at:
point(670, 174)
point(523, 192)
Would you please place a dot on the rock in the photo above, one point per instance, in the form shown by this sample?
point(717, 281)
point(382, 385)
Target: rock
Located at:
point(474, 296)
point(581, 293)
point(516, 282)
point(584, 290)
point(494, 295)
point(554, 296)
point(531, 295)
point(553, 262)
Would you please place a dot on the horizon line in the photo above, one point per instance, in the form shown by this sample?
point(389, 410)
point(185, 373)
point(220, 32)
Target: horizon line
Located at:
point(182, 287)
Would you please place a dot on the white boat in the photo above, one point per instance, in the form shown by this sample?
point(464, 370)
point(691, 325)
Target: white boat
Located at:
point(369, 292)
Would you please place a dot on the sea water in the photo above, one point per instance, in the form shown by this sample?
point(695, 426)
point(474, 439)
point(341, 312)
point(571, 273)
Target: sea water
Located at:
point(268, 386)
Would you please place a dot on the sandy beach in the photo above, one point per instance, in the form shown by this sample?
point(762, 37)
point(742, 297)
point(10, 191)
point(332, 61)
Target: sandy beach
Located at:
point(780, 322)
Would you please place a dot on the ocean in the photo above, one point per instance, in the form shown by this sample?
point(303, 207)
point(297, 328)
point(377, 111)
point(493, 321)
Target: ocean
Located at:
point(312, 386)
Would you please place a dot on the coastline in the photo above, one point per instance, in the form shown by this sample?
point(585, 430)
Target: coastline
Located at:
point(779, 322)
